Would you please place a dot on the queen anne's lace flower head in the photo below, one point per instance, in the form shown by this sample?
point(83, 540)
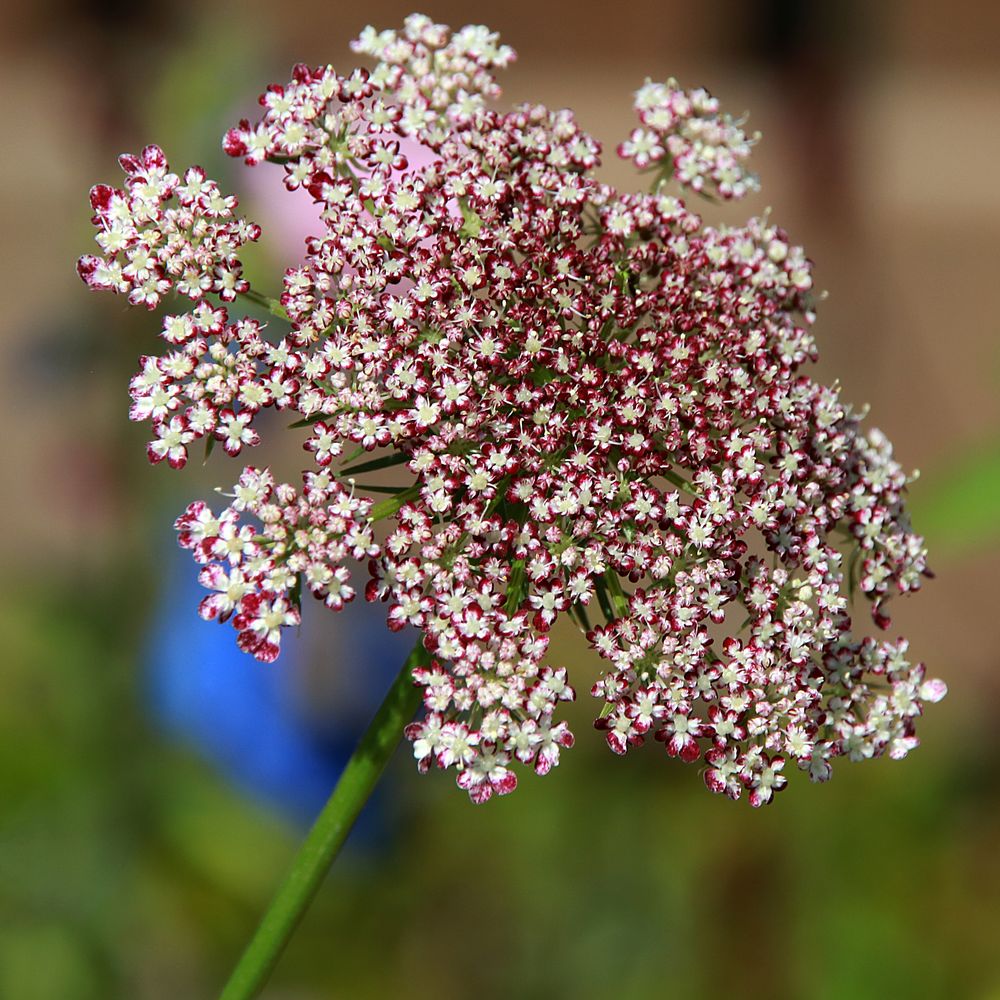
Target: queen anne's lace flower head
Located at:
point(599, 404)
point(160, 233)
point(684, 136)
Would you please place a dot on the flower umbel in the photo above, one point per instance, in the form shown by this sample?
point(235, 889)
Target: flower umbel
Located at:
point(160, 233)
point(596, 403)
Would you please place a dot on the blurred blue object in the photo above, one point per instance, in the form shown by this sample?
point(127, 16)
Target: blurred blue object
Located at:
point(260, 724)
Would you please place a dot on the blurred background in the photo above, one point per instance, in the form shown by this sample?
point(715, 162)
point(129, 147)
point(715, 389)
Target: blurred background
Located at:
point(154, 783)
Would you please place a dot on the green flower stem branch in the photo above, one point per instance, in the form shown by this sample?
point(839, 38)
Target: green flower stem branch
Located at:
point(328, 833)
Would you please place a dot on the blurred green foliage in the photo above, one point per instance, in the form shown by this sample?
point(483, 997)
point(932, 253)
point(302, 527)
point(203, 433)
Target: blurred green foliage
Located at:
point(960, 507)
point(127, 869)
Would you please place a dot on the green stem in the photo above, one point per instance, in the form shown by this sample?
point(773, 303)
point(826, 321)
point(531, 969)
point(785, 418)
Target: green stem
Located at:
point(392, 506)
point(328, 834)
point(619, 602)
point(273, 306)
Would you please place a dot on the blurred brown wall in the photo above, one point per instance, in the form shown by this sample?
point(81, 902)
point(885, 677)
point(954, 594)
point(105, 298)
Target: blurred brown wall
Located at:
point(882, 135)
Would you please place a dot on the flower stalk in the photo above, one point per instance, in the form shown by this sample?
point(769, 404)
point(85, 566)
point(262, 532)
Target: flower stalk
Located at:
point(328, 833)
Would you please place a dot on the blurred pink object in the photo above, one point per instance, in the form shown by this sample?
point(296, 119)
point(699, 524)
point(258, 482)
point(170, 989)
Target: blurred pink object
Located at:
point(290, 217)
